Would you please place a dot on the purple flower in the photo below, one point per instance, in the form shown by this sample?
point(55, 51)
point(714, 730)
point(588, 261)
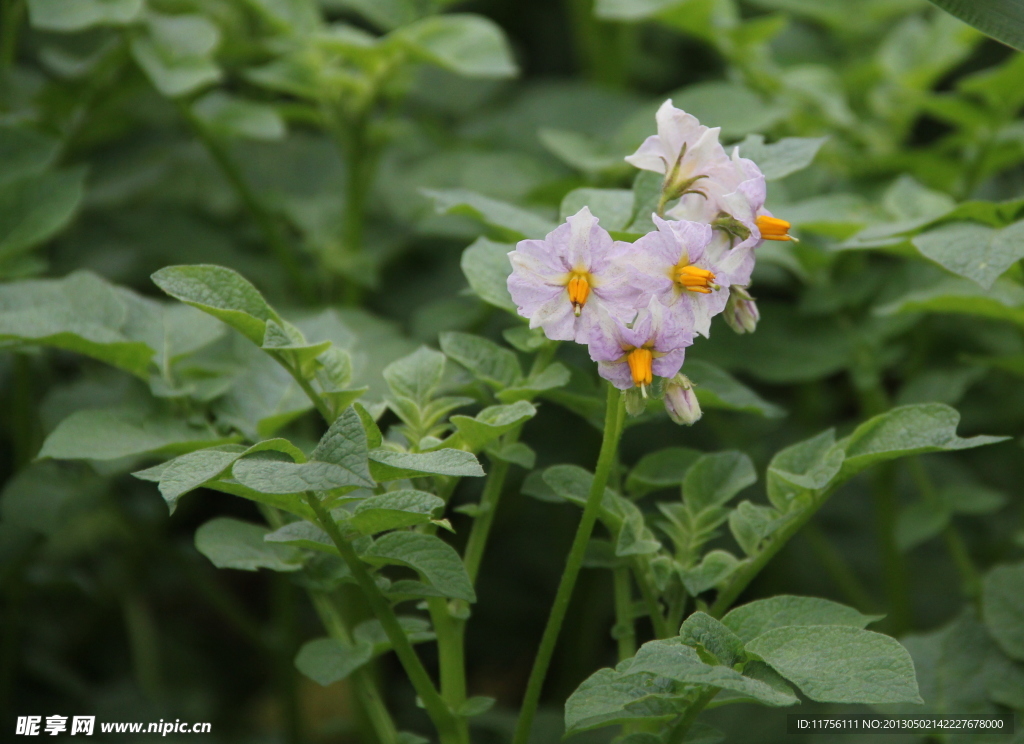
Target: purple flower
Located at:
point(562, 283)
point(682, 267)
point(630, 356)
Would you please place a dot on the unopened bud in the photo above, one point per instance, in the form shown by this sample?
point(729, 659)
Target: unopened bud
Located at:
point(741, 311)
point(681, 400)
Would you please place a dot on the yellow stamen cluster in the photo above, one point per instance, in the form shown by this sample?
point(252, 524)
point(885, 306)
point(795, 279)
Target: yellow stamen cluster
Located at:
point(579, 291)
point(772, 228)
point(640, 367)
point(694, 279)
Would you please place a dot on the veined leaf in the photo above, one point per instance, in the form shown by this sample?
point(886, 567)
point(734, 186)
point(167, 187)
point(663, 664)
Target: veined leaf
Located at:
point(388, 465)
point(231, 543)
point(395, 509)
point(430, 556)
point(1000, 19)
point(760, 616)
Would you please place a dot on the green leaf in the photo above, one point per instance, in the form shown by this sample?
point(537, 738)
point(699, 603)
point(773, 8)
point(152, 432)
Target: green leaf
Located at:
point(803, 468)
point(303, 534)
point(631, 10)
point(903, 431)
point(491, 423)
point(416, 629)
point(981, 254)
point(752, 523)
point(486, 267)
point(716, 388)
point(275, 476)
point(326, 660)
point(229, 116)
point(714, 479)
point(176, 53)
point(465, 43)
point(609, 697)
point(919, 523)
point(507, 222)
point(344, 444)
point(395, 509)
point(1004, 301)
point(662, 469)
point(731, 106)
point(486, 361)
point(517, 453)
point(190, 471)
point(416, 376)
point(782, 158)
point(553, 376)
point(435, 560)
point(840, 664)
point(1003, 603)
point(45, 496)
point(77, 15)
point(231, 543)
point(113, 433)
point(704, 632)
point(36, 207)
point(25, 152)
point(760, 616)
point(675, 660)
point(593, 157)
point(714, 568)
point(388, 465)
point(474, 706)
point(221, 292)
point(612, 207)
point(80, 313)
point(1000, 19)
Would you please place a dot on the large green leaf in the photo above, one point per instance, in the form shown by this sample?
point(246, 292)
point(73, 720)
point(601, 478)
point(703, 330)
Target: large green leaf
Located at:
point(705, 633)
point(113, 433)
point(344, 445)
point(221, 292)
point(491, 364)
point(1003, 600)
point(280, 477)
point(760, 616)
point(903, 431)
point(76, 15)
point(840, 664)
point(388, 465)
point(979, 253)
point(327, 660)
point(506, 221)
point(435, 560)
point(36, 207)
point(673, 659)
point(176, 52)
point(394, 510)
point(716, 388)
point(781, 158)
point(231, 543)
point(486, 266)
point(464, 43)
point(416, 376)
point(1000, 19)
point(663, 468)
point(491, 423)
point(714, 479)
point(609, 697)
point(80, 313)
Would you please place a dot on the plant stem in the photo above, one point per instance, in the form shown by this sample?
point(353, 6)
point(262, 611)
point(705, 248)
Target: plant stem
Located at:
point(661, 626)
point(614, 414)
point(481, 528)
point(752, 566)
point(438, 711)
point(267, 222)
point(625, 625)
point(11, 12)
point(837, 567)
point(451, 658)
point(897, 585)
point(283, 608)
point(362, 680)
point(678, 733)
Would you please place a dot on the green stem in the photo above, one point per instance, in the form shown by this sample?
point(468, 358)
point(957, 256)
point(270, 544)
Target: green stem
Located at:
point(614, 414)
point(438, 711)
point(837, 567)
point(265, 220)
point(897, 584)
point(286, 674)
point(752, 566)
point(362, 680)
point(481, 528)
point(11, 12)
point(661, 626)
point(625, 625)
point(144, 642)
point(681, 729)
point(451, 659)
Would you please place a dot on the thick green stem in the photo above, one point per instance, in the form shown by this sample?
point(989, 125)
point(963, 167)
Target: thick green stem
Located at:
point(285, 671)
point(681, 729)
point(625, 625)
point(481, 529)
point(438, 711)
point(267, 222)
point(897, 584)
point(614, 414)
point(451, 659)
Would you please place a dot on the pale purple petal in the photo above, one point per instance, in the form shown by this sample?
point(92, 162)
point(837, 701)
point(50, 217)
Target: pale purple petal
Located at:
point(617, 373)
point(556, 317)
point(672, 326)
point(649, 156)
point(669, 364)
point(688, 239)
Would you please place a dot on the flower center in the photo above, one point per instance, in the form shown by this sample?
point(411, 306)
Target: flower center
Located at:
point(773, 228)
point(694, 279)
point(579, 290)
point(640, 366)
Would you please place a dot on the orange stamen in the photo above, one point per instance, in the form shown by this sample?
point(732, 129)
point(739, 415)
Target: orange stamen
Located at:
point(640, 366)
point(772, 228)
point(695, 279)
point(579, 291)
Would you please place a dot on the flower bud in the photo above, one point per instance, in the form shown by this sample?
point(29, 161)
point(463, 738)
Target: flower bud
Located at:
point(741, 311)
point(681, 401)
